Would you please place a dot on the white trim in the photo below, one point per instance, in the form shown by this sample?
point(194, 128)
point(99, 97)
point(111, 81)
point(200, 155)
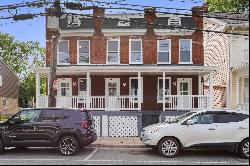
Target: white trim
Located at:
point(190, 82)
point(58, 61)
point(68, 80)
point(130, 62)
point(107, 51)
point(1, 80)
point(170, 83)
point(78, 63)
point(107, 80)
point(169, 51)
point(136, 78)
point(191, 51)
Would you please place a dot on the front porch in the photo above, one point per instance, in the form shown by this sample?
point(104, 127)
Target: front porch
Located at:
point(140, 88)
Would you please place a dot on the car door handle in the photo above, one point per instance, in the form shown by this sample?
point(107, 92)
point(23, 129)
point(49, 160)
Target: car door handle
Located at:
point(211, 129)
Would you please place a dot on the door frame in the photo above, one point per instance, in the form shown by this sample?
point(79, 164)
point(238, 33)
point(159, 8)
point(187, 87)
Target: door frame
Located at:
point(189, 80)
point(62, 80)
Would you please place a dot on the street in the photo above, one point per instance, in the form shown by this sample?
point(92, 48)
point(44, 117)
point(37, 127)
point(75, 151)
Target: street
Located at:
point(117, 156)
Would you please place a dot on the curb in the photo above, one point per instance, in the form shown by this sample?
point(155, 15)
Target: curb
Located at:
point(118, 146)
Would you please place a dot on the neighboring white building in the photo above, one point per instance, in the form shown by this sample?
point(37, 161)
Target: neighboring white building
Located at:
point(231, 54)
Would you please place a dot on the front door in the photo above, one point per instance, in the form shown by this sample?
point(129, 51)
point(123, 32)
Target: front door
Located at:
point(184, 89)
point(64, 93)
point(112, 93)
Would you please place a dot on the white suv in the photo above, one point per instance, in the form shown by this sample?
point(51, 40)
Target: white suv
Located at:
point(222, 129)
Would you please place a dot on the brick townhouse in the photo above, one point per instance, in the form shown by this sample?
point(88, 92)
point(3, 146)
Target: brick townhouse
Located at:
point(106, 63)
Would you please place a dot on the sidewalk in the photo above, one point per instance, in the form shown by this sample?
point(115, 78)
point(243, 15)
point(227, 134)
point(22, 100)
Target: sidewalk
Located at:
point(127, 142)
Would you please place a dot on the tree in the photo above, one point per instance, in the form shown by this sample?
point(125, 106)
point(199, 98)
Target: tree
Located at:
point(228, 5)
point(20, 57)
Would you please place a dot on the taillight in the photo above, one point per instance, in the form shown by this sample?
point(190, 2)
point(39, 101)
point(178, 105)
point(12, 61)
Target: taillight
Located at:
point(85, 124)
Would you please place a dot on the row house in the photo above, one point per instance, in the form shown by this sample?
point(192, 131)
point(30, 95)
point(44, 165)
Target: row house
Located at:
point(230, 53)
point(122, 62)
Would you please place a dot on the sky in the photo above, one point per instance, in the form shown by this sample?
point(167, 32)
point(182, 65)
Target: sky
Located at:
point(34, 30)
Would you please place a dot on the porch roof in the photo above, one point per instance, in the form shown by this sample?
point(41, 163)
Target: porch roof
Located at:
point(128, 69)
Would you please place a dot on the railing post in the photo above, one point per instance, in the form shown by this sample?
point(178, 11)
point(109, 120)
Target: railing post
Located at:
point(88, 91)
point(139, 91)
point(37, 89)
point(164, 89)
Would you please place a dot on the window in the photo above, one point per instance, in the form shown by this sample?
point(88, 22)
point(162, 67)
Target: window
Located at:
point(83, 51)
point(229, 117)
point(5, 103)
point(63, 52)
point(185, 51)
point(135, 51)
point(205, 118)
point(1, 81)
point(133, 87)
point(29, 116)
point(113, 51)
point(245, 51)
point(160, 88)
point(51, 115)
point(164, 51)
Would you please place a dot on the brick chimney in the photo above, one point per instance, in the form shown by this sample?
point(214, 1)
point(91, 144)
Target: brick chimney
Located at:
point(98, 17)
point(197, 14)
point(149, 16)
point(98, 42)
point(150, 39)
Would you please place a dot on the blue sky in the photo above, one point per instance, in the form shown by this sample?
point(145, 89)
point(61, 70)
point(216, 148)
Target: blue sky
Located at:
point(35, 29)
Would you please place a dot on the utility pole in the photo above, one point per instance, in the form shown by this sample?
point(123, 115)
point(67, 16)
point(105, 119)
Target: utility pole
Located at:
point(55, 11)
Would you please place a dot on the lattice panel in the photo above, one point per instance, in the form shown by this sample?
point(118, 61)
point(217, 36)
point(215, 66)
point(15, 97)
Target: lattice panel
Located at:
point(170, 118)
point(97, 120)
point(219, 96)
point(123, 126)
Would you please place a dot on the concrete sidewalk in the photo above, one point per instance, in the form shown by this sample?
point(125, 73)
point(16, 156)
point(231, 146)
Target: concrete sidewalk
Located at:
point(127, 142)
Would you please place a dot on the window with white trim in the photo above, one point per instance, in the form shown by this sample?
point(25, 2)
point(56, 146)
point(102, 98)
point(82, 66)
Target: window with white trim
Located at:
point(1, 81)
point(5, 103)
point(136, 51)
point(113, 51)
point(164, 51)
point(160, 88)
point(83, 51)
point(245, 57)
point(185, 51)
point(133, 86)
point(63, 52)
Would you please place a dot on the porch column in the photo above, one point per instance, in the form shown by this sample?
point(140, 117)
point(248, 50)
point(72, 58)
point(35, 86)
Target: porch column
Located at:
point(37, 89)
point(200, 86)
point(139, 91)
point(211, 89)
point(237, 91)
point(88, 91)
point(164, 89)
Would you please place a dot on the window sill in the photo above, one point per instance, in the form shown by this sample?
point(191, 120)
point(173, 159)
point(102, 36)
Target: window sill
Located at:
point(185, 63)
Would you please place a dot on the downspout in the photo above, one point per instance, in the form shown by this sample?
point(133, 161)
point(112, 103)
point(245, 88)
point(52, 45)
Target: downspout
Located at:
point(229, 91)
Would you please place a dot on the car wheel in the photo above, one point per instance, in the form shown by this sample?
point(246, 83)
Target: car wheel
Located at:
point(2, 148)
point(169, 147)
point(68, 145)
point(244, 149)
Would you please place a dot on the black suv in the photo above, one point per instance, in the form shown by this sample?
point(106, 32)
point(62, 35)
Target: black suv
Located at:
point(67, 129)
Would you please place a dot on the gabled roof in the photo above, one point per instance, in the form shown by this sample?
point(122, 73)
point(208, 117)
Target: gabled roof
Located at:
point(236, 18)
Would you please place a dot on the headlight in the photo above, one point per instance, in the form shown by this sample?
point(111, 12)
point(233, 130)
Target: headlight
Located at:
point(153, 130)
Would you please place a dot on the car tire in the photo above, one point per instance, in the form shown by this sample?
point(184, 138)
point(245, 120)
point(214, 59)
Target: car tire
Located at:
point(169, 147)
point(2, 147)
point(244, 149)
point(68, 145)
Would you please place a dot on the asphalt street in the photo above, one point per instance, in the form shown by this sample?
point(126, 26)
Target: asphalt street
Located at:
point(117, 156)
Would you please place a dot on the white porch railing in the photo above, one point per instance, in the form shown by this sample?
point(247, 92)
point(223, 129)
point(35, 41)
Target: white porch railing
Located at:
point(116, 103)
point(186, 102)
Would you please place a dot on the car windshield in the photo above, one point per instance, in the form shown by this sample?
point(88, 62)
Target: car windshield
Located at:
point(181, 117)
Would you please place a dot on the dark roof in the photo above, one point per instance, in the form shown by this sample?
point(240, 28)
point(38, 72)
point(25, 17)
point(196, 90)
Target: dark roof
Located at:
point(236, 17)
point(135, 23)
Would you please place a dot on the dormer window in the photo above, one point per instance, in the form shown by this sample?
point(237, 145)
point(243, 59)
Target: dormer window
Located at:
point(174, 20)
point(74, 21)
point(123, 23)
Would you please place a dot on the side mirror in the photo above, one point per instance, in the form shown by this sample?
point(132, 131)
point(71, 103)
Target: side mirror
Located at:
point(190, 122)
point(17, 120)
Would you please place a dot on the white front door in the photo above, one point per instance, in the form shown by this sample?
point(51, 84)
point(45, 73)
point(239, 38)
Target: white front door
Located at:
point(112, 93)
point(184, 88)
point(64, 93)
